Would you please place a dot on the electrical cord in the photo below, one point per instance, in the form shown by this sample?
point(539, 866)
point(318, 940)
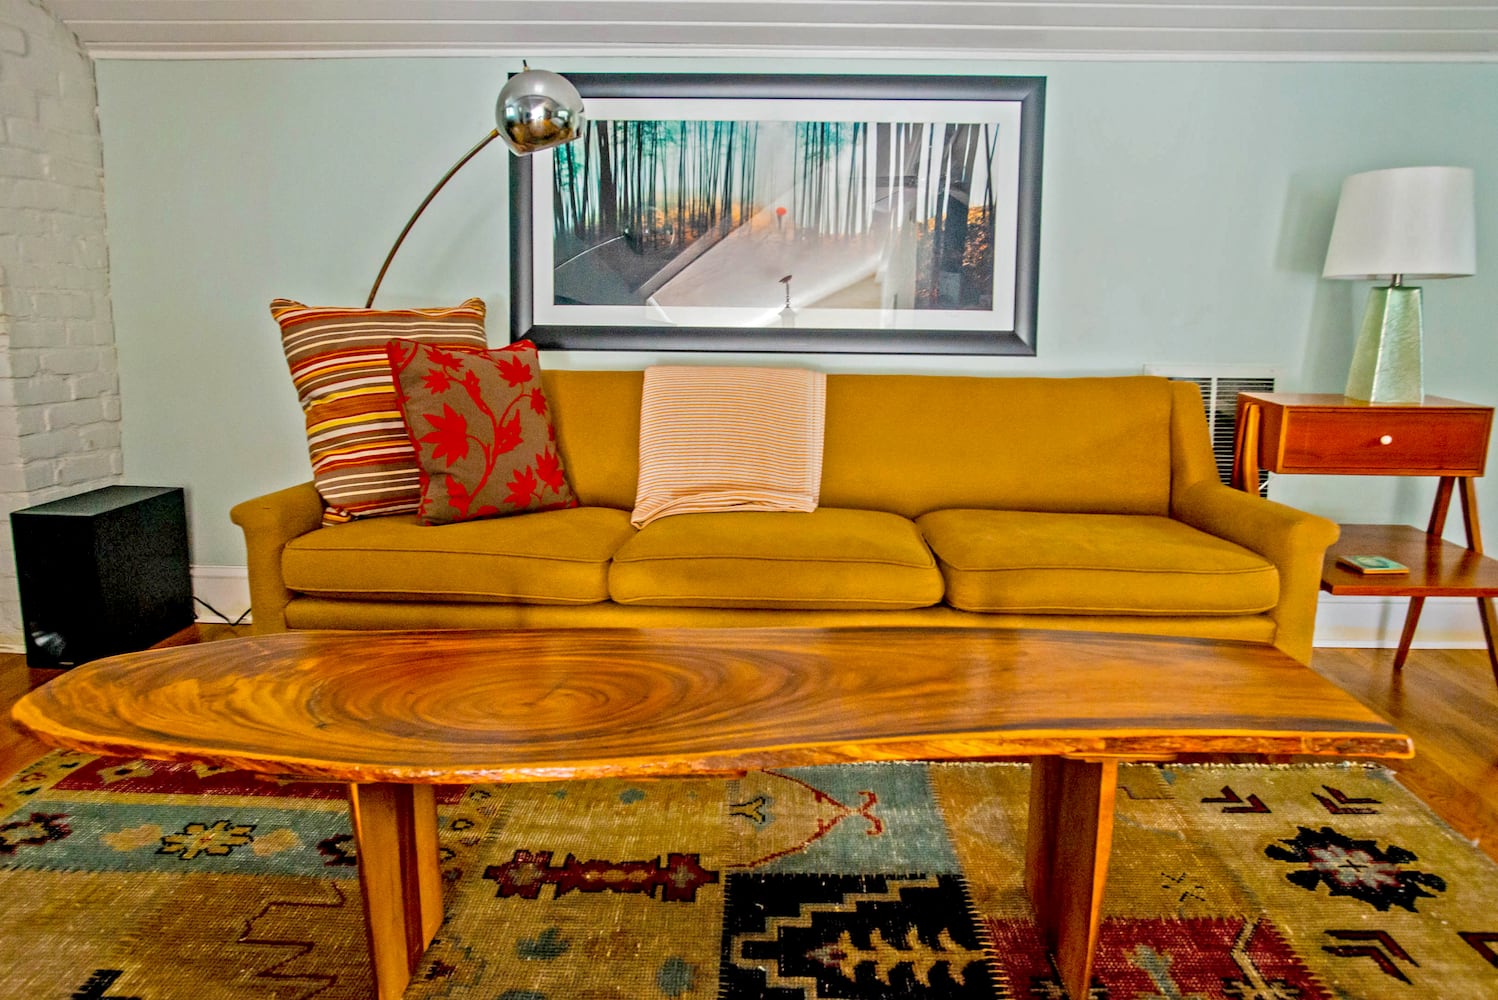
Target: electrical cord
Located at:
point(221, 616)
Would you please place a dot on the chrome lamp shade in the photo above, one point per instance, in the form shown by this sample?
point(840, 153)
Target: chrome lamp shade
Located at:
point(538, 109)
point(1409, 222)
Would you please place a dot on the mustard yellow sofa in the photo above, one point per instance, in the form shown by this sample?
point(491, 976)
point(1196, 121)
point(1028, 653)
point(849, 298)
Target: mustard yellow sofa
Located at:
point(1060, 503)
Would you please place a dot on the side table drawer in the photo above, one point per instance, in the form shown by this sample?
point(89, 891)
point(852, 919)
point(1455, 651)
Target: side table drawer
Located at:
point(1390, 442)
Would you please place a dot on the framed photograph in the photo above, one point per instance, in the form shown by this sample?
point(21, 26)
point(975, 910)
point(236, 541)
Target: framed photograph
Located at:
point(864, 214)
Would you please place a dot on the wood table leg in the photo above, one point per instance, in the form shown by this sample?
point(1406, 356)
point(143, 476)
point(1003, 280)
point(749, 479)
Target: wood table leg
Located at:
point(395, 827)
point(1489, 631)
point(1245, 475)
point(1444, 487)
point(1066, 858)
point(1474, 542)
point(1407, 636)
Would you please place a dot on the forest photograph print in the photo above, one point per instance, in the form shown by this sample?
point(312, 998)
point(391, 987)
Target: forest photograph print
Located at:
point(851, 214)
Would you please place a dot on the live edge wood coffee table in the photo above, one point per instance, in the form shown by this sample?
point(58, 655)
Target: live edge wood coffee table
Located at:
point(392, 713)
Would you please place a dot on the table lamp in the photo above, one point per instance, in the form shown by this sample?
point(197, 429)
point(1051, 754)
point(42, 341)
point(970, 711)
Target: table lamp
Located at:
point(537, 109)
point(1409, 222)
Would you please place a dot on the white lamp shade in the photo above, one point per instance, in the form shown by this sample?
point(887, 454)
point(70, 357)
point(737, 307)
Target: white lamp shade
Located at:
point(1411, 221)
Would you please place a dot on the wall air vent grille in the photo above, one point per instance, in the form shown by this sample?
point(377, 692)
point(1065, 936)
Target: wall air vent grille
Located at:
point(1220, 385)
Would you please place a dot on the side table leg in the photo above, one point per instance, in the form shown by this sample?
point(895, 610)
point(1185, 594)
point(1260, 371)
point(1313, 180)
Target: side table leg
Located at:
point(1245, 475)
point(395, 827)
point(1068, 842)
point(1444, 488)
point(1406, 637)
point(1489, 631)
point(1474, 542)
point(1469, 514)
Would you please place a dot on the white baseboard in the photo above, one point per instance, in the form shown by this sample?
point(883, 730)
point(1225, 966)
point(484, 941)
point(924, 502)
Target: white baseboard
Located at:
point(226, 588)
point(1375, 623)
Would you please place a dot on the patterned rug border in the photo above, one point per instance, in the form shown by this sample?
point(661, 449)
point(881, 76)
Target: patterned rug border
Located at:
point(1317, 880)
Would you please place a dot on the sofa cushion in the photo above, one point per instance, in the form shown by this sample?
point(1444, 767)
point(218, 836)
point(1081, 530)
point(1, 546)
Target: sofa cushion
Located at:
point(551, 557)
point(729, 439)
point(1108, 564)
point(481, 429)
point(826, 558)
point(362, 459)
point(597, 419)
point(913, 444)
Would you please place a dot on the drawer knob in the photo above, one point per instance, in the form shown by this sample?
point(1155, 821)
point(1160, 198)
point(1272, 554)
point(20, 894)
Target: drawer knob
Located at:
point(1386, 439)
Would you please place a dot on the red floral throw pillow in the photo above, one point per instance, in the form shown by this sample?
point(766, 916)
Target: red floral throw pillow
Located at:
point(482, 431)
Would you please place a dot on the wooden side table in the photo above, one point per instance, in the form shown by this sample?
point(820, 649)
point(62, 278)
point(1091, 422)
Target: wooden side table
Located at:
point(1323, 434)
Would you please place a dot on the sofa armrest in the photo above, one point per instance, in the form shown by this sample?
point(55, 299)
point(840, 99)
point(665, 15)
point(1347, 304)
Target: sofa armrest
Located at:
point(1295, 541)
point(269, 522)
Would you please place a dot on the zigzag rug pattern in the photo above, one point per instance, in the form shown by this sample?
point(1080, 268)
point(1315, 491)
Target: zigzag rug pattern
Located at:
point(136, 880)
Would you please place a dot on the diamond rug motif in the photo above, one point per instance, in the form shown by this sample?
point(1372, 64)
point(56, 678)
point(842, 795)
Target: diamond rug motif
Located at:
point(127, 879)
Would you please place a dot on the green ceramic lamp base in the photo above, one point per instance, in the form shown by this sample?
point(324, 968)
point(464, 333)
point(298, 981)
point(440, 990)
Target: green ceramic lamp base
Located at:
point(1387, 362)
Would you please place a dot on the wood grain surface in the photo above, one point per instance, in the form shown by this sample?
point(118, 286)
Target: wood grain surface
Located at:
point(1438, 568)
point(1068, 841)
point(577, 703)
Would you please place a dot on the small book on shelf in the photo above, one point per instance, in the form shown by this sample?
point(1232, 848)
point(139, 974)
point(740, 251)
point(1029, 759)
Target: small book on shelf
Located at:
point(1372, 564)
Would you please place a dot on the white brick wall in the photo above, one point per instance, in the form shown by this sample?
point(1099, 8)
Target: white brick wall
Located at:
point(59, 392)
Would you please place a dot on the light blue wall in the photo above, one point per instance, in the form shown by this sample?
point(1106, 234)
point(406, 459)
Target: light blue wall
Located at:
point(1186, 210)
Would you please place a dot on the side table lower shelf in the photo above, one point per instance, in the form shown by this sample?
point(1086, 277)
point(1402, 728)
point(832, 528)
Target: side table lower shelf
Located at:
point(1437, 569)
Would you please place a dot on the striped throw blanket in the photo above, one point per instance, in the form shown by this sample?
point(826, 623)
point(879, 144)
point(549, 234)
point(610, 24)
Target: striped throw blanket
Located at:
point(728, 439)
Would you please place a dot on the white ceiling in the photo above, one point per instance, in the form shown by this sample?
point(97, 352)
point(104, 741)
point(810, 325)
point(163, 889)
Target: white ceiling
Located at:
point(1221, 29)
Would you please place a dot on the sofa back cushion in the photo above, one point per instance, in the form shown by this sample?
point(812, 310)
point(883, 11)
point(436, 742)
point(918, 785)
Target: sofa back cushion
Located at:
point(910, 444)
point(597, 421)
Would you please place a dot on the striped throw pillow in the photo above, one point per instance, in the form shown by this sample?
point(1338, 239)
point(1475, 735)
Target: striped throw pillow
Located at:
point(362, 460)
point(725, 438)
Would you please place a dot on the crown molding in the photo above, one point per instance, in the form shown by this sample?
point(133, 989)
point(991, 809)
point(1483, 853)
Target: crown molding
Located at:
point(1246, 30)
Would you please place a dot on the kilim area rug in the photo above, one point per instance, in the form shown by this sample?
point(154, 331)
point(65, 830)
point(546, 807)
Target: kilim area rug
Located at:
point(131, 880)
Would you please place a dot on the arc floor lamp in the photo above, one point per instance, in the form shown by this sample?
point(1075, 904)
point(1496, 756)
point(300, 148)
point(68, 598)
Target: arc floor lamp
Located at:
point(537, 109)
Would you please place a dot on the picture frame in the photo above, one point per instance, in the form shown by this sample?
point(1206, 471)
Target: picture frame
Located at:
point(785, 213)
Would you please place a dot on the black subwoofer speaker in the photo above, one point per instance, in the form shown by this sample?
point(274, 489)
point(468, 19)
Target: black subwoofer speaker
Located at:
point(101, 573)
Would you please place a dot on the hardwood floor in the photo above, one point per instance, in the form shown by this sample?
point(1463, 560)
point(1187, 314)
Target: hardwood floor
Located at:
point(1445, 699)
point(16, 748)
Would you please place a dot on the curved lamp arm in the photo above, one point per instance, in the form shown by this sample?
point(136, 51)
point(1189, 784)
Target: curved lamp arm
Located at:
point(537, 109)
point(422, 208)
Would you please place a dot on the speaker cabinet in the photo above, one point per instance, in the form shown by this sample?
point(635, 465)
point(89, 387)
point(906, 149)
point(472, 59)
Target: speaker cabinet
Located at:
point(102, 573)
